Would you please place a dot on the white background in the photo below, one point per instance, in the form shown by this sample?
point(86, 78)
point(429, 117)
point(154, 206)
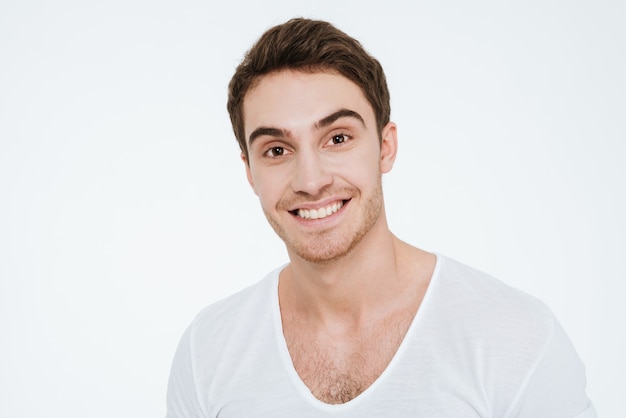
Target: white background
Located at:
point(124, 207)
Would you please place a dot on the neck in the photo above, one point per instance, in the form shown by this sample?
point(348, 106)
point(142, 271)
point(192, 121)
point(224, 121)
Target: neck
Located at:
point(365, 282)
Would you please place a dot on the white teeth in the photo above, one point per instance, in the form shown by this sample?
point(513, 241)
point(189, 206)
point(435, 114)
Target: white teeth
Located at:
point(321, 212)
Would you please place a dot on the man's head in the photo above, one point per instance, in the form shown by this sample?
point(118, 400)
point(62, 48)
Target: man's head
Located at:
point(308, 46)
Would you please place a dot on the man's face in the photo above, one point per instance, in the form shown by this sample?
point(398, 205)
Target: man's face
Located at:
point(315, 161)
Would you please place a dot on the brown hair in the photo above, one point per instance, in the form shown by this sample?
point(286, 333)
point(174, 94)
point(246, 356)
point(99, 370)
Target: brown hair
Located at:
point(307, 45)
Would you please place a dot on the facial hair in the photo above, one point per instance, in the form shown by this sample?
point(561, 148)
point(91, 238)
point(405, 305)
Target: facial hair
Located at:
point(326, 246)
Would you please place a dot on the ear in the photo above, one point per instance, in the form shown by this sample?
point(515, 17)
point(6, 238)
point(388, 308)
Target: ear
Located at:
point(388, 147)
point(246, 163)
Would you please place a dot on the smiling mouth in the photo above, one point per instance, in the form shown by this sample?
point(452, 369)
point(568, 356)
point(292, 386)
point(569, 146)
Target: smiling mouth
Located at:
point(319, 213)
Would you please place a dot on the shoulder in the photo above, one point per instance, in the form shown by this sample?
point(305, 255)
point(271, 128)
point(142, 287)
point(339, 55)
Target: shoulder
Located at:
point(487, 316)
point(225, 314)
point(214, 342)
point(481, 296)
point(528, 364)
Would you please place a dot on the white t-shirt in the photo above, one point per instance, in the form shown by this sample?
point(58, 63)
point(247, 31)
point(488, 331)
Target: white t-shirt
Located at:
point(476, 348)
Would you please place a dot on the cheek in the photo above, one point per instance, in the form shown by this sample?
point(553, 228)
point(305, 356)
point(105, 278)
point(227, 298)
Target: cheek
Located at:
point(364, 165)
point(268, 188)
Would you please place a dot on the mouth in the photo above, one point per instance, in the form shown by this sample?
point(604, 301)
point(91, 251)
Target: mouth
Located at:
point(319, 213)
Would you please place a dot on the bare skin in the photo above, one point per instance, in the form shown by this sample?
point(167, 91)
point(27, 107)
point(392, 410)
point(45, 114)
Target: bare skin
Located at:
point(340, 348)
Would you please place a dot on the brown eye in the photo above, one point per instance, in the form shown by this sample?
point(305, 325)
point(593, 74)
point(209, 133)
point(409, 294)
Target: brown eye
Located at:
point(338, 139)
point(275, 151)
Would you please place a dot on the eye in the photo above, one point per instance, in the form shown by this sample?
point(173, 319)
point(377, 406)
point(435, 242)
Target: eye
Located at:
point(338, 139)
point(275, 152)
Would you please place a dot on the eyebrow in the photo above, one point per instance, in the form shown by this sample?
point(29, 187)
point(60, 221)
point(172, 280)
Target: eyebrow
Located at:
point(342, 113)
point(322, 123)
point(275, 132)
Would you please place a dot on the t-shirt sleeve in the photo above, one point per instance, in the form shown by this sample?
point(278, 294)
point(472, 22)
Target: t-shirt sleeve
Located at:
point(182, 396)
point(555, 387)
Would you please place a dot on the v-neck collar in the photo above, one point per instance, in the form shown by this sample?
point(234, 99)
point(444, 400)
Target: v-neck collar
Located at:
point(295, 379)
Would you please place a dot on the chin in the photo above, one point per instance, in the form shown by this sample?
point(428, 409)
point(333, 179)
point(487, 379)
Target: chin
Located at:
point(326, 248)
point(322, 257)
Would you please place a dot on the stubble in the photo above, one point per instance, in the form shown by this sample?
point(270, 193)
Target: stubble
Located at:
point(326, 246)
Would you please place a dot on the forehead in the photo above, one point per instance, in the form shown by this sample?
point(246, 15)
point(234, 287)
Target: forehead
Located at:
point(292, 99)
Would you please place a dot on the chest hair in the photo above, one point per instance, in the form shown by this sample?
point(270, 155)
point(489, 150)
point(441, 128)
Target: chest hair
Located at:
point(338, 369)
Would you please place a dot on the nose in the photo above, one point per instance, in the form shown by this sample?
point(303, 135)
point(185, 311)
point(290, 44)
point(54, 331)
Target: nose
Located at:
point(312, 173)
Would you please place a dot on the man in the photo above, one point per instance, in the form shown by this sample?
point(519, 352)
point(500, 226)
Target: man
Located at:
point(358, 323)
